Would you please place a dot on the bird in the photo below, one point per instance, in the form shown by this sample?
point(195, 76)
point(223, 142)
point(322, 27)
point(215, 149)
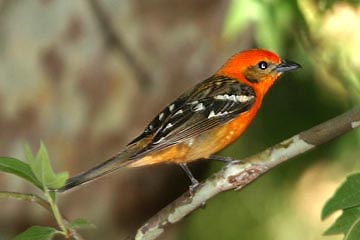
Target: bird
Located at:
point(203, 120)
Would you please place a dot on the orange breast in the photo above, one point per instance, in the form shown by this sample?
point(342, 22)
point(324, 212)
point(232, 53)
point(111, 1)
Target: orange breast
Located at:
point(219, 138)
point(205, 144)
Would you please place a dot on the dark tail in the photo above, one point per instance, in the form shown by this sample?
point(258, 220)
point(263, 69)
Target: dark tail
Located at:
point(109, 166)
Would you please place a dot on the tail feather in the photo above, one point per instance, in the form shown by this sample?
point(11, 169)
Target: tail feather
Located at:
point(107, 167)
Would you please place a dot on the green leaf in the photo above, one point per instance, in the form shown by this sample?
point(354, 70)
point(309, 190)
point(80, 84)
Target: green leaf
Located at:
point(18, 168)
point(41, 167)
point(343, 224)
point(346, 196)
point(37, 233)
point(81, 223)
point(28, 154)
point(354, 232)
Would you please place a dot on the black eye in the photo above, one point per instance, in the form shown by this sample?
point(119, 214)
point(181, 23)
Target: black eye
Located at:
point(263, 65)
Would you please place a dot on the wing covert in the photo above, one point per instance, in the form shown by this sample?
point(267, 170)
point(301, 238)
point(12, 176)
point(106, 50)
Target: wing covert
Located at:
point(212, 103)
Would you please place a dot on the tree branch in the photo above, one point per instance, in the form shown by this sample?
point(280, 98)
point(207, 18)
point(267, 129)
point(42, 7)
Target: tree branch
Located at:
point(113, 40)
point(240, 174)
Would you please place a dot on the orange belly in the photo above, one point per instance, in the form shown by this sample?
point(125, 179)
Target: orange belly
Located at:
point(202, 146)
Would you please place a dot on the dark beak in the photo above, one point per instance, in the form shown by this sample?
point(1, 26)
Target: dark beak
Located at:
point(286, 66)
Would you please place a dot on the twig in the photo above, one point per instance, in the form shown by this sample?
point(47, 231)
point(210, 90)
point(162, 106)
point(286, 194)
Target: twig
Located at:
point(240, 174)
point(112, 39)
point(26, 197)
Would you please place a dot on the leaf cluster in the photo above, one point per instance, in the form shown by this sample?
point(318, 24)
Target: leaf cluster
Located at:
point(39, 172)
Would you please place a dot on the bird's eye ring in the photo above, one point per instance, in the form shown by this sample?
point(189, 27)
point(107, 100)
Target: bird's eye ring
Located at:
point(263, 65)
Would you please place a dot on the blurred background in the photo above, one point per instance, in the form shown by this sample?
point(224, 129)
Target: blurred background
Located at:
point(87, 76)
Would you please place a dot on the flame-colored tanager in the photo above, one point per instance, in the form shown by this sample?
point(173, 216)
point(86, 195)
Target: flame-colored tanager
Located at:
point(203, 120)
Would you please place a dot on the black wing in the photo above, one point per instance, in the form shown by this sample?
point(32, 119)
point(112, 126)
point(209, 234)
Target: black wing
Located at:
point(159, 120)
point(212, 103)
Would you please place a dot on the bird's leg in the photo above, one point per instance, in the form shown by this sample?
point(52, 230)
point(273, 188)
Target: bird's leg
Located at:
point(194, 181)
point(227, 160)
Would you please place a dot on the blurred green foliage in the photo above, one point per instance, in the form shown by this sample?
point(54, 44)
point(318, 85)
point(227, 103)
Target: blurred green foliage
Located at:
point(272, 21)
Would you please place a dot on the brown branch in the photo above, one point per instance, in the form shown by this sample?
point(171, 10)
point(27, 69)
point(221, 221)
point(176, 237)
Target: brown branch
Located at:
point(240, 174)
point(113, 40)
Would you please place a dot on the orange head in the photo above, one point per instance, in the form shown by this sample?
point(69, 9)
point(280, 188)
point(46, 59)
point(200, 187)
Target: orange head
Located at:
point(257, 67)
